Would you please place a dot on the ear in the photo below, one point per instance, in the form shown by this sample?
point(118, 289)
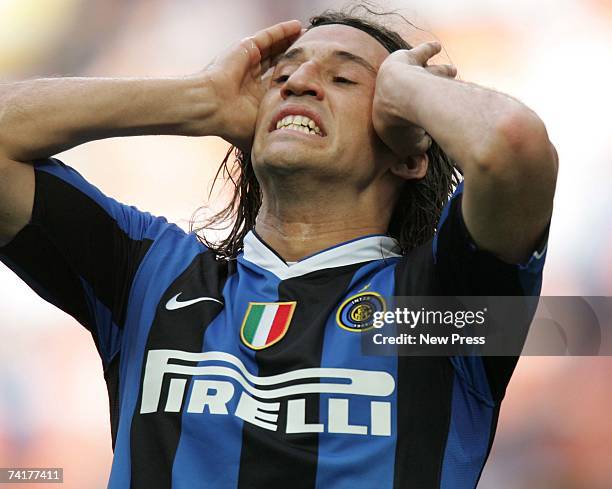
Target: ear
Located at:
point(414, 168)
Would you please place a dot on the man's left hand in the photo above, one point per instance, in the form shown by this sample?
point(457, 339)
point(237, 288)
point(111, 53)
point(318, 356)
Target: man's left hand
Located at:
point(398, 132)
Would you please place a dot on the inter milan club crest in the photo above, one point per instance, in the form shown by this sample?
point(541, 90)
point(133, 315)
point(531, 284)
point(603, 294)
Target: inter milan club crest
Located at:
point(357, 312)
point(265, 323)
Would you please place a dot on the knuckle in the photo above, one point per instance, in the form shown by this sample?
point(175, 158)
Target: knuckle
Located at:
point(247, 42)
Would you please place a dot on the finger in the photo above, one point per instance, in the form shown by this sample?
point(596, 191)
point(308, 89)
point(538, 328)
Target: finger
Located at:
point(266, 39)
point(275, 54)
point(448, 71)
point(417, 139)
point(267, 76)
point(279, 48)
point(266, 65)
point(269, 62)
point(425, 143)
point(424, 52)
point(250, 49)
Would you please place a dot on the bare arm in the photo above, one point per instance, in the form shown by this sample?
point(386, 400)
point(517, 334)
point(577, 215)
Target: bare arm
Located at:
point(39, 118)
point(509, 163)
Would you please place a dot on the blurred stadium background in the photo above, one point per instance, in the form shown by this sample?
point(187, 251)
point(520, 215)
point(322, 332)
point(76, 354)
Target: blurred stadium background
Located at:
point(555, 428)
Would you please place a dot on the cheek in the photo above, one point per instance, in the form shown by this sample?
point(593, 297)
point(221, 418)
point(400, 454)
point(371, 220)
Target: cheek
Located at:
point(362, 141)
point(360, 106)
point(259, 125)
point(360, 117)
point(265, 107)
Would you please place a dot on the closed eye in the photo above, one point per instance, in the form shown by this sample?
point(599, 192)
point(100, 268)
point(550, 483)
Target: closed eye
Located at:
point(337, 79)
point(341, 79)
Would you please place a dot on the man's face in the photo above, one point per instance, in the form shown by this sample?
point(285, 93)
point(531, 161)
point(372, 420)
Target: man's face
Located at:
point(327, 75)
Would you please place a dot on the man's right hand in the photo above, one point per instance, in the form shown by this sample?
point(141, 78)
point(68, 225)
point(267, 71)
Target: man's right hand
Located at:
point(235, 77)
point(43, 117)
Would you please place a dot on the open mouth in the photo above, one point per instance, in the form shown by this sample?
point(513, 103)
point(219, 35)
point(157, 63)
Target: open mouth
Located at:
point(300, 123)
point(298, 118)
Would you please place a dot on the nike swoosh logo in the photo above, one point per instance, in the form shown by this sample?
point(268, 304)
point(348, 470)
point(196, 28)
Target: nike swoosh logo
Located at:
point(174, 303)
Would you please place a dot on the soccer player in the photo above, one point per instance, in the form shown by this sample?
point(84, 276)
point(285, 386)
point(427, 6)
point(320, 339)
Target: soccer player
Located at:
point(239, 365)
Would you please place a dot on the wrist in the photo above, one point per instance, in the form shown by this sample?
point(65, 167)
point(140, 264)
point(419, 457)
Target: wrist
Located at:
point(200, 108)
point(409, 96)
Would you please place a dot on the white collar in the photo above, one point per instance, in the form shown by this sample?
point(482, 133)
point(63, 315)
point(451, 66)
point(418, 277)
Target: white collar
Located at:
point(359, 250)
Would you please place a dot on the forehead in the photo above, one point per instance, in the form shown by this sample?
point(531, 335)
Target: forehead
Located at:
point(324, 39)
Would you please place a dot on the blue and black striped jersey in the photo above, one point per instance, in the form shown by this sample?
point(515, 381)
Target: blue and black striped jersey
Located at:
point(244, 373)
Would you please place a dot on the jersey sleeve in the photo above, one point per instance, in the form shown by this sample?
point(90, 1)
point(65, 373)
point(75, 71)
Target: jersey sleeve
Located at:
point(81, 251)
point(462, 269)
point(465, 269)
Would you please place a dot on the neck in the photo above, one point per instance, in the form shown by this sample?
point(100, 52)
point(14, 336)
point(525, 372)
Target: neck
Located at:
point(296, 229)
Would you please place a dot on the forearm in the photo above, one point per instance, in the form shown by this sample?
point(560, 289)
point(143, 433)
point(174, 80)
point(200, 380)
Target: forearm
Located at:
point(509, 164)
point(470, 123)
point(502, 146)
point(39, 118)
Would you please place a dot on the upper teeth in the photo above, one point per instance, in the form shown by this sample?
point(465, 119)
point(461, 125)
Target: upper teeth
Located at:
point(299, 123)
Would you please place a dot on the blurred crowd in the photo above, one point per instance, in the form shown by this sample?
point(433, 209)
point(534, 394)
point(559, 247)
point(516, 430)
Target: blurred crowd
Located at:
point(554, 431)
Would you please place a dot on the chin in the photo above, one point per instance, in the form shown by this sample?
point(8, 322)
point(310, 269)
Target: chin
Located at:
point(288, 157)
point(283, 162)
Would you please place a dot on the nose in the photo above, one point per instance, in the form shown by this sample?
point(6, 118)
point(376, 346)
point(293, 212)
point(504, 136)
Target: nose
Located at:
point(304, 80)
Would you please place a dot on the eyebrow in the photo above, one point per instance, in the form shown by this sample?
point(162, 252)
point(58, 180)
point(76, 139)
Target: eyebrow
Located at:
point(342, 55)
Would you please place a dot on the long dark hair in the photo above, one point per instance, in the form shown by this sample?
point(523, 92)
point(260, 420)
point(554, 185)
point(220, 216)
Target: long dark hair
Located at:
point(417, 210)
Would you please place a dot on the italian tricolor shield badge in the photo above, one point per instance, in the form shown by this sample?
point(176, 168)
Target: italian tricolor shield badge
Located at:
point(265, 323)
